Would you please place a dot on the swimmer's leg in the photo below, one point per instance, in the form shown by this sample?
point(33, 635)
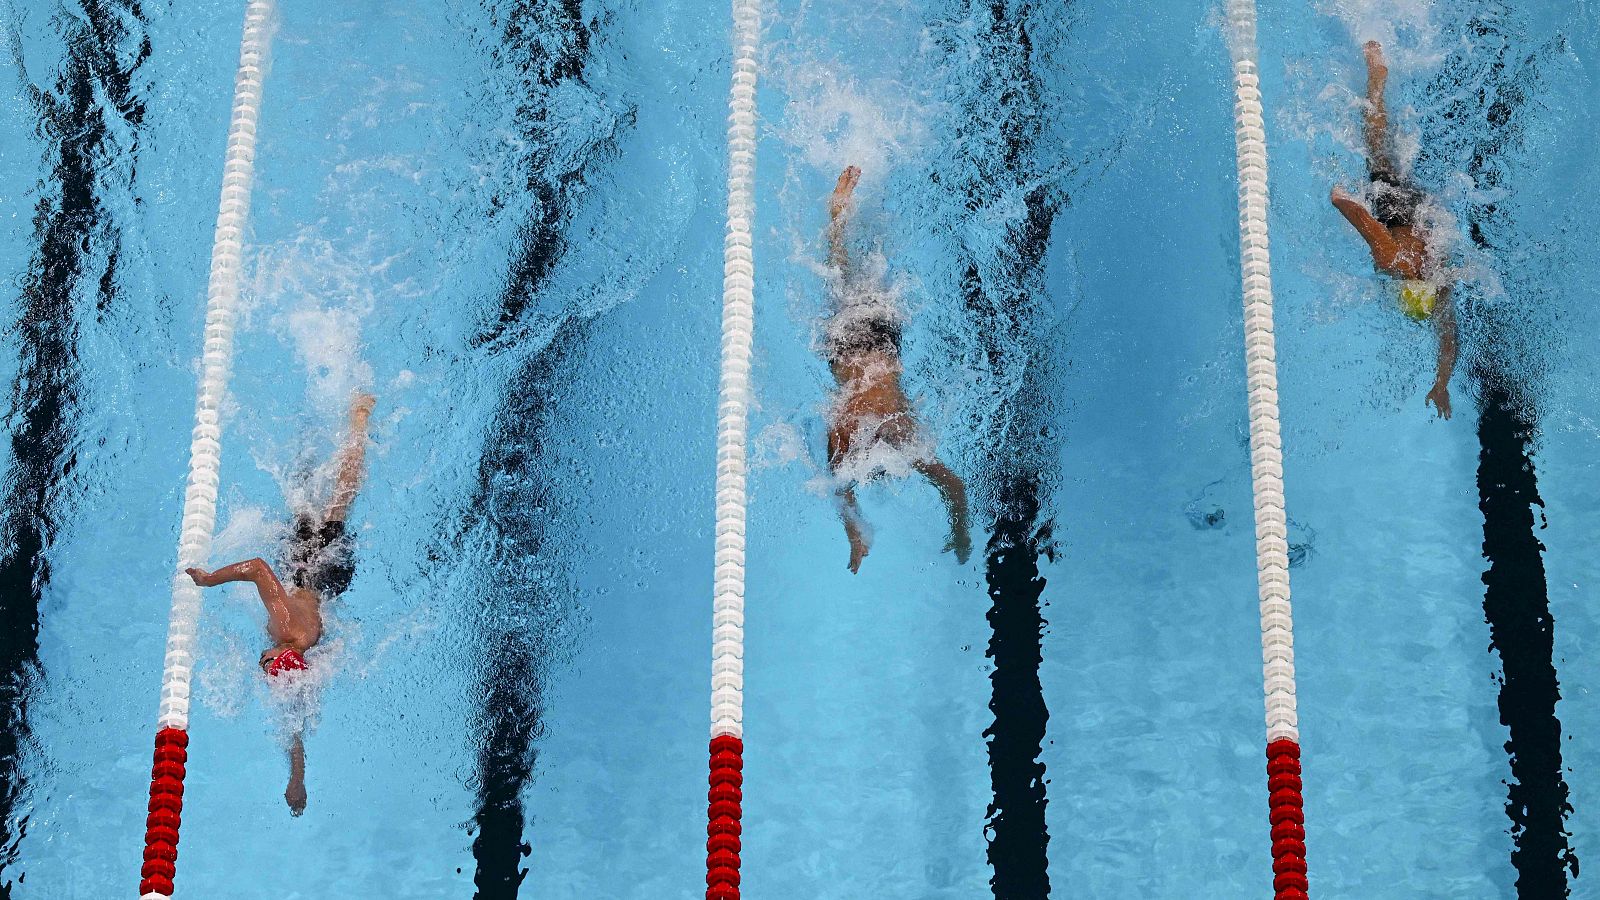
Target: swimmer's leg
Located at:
point(954, 493)
point(1377, 118)
point(352, 460)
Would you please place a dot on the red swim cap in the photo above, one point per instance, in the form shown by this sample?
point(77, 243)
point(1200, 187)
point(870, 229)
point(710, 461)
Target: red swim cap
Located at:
point(287, 661)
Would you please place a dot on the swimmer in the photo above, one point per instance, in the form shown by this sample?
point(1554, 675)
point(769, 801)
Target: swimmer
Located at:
point(320, 568)
point(1390, 229)
point(871, 408)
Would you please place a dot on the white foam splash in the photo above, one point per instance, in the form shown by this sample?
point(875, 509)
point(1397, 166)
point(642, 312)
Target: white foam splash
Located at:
point(321, 296)
point(779, 444)
point(1404, 27)
point(835, 120)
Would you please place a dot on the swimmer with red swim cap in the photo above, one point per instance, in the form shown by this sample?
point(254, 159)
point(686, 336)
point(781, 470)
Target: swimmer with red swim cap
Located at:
point(319, 566)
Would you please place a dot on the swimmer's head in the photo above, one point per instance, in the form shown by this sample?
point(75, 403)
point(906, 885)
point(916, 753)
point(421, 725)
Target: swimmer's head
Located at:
point(1418, 298)
point(282, 658)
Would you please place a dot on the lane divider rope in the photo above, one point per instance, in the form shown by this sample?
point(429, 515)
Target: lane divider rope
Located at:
point(726, 794)
point(1286, 804)
point(200, 493)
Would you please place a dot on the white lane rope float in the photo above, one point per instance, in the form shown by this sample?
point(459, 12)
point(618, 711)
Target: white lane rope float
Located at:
point(1285, 801)
point(200, 493)
point(726, 795)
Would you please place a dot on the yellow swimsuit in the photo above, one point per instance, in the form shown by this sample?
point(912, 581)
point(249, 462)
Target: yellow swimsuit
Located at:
point(1418, 298)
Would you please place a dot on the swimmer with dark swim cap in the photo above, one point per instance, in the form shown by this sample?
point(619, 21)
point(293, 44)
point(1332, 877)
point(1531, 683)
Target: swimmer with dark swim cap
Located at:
point(1390, 230)
point(320, 568)
point(871, 408)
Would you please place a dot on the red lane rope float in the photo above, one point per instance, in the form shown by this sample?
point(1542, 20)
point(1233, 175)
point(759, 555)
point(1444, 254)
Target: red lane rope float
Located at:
point(1288, 821)
point(166, 812)
point(723, 827)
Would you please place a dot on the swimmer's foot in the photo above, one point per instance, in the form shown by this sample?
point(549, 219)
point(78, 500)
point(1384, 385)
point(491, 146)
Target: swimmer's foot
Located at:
point(200, 577)
point(846, 186)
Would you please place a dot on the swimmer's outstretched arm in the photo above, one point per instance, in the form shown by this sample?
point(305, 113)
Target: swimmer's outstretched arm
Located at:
point(1377, 118)
point(352, 460)
point(1444, 321)
point(850, 512)
point(954, 493)
point(838, 206)
point(1383, 246)
point(257, 572)
point(295, 793)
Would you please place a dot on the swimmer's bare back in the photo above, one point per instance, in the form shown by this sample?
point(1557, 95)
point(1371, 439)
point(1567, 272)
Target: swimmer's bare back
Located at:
point(870, 391)
point(1398, 250)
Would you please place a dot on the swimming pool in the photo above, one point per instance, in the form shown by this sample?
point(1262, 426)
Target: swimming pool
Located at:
point(506, 218)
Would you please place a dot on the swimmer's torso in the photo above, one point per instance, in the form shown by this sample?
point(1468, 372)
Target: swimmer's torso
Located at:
point(870, 393)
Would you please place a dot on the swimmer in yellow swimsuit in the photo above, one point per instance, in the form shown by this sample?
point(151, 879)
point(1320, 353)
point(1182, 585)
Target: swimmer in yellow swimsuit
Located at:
point(319, 567)
point(1390, 230)
point(871, 408)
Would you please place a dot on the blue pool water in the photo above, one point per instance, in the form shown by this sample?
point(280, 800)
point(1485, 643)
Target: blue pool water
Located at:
point(505, 219)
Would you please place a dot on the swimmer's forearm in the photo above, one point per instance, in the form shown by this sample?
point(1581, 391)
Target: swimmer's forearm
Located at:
point(295, 793)
point(1370, 229)
point(252, 570)
point(1446, 324)
point(352, 469)
point(838, 210)
point(838, 256)
point(257, 572)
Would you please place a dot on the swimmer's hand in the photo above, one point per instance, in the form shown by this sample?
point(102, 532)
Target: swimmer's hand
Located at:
point(858, 552)
point(1377, 69)
point(1440, 398)
point(361, 409)
point(1339, 195)
point(960, 542)
point(295, 796)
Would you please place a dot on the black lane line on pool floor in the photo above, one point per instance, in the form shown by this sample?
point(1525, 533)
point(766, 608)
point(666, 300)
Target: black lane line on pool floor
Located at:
point(1517, 606)
point(548, 45)
point(1019, 839)
point(1018, 834)
point(1003, 300)
point(1485, 87)
point(77, 258)
point(546, 42)
point(515, 503)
